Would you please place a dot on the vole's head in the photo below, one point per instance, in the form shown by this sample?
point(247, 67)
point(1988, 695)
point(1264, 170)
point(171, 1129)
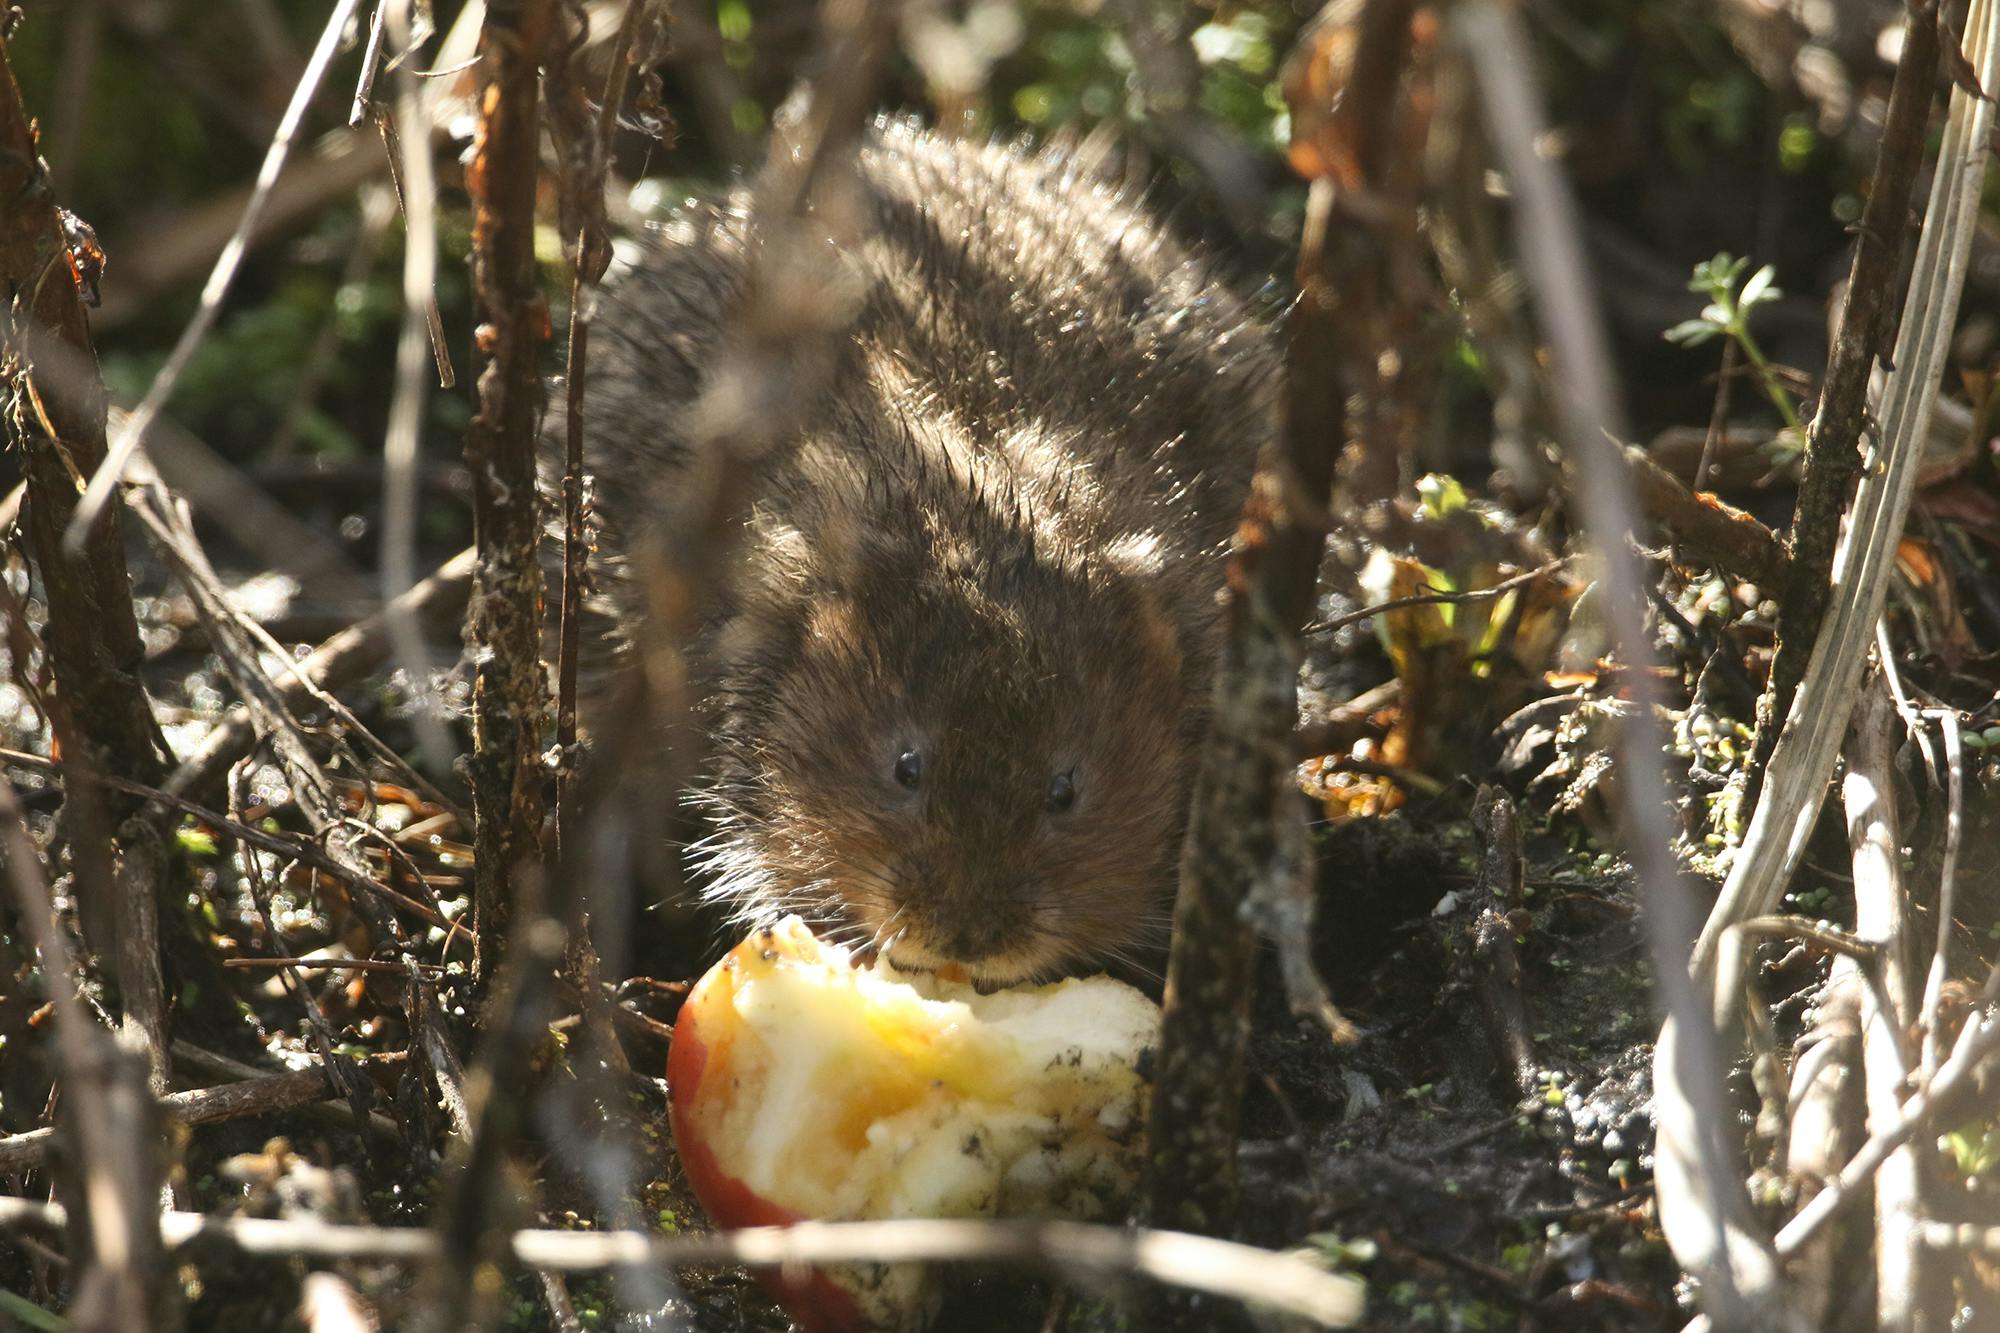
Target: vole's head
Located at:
point(967, 752)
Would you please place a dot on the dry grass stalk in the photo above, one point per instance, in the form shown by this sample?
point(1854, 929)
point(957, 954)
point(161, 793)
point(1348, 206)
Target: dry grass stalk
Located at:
point(1834, 437)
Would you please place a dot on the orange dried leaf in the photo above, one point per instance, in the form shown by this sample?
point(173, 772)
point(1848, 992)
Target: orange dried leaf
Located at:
point(1914, 558)
point(1315, 77)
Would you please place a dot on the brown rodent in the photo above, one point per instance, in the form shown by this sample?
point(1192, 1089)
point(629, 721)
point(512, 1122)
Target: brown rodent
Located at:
point(956, 686)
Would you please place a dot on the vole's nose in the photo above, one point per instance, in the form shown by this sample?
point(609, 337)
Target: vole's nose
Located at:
point(967, 936)
point(972, 928)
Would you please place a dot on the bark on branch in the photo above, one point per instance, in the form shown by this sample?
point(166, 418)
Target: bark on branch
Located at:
point(103, 723)
point(508, 694)
point(1834, 437)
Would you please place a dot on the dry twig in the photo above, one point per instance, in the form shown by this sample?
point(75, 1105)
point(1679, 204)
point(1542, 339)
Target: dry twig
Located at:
point(1708, 530)
point(206, 1106)
point(1881, 907)
point(106, 1122)
point(415, 104)
point(1284, 1283)
point(342, 659)
point(586, 177)
point(508, 692)
point(1497, 962)
point(278, 844)
point(99, 711)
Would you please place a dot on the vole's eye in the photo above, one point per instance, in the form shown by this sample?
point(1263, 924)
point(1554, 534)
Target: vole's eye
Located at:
point(909, 769)
point(1062, 792)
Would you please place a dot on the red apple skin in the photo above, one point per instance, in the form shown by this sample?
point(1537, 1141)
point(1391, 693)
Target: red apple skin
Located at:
point(814, 1301)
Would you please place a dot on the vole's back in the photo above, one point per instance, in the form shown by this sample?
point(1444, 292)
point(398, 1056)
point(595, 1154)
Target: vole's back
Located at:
point(955, 682)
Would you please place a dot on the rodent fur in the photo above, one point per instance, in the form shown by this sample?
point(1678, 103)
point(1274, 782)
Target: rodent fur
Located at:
point(997, 546)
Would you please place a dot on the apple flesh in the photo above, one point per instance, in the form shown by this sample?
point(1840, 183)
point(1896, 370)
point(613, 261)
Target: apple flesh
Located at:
point(803, 1086)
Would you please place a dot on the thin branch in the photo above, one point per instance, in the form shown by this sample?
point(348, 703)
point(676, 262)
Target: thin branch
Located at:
point(105, 1116)
point(1947, 914)
point(1824, 1115)
point(242, 645)
point(1979, 1039)
point(207, 1106)
point(306, 964)
point(1874, 831)
point(588, 262)
point(1487, 594)
point(1706, 529)
point(191, 1059)
point(1718, 417)
point(99, 712)
point(1283, 1283)
point(1496, 960)
point(341, 660)
point(507, 691)
point(277, 844)
point(409, 400)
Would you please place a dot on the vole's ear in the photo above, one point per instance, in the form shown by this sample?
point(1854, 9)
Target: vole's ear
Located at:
point(1139, 559)
point(1140, 555)
point(833, 494)
point(833, 627)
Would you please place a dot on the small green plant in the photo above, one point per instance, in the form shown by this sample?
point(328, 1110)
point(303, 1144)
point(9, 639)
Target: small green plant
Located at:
point(1342, 1253)
point(1728, 315)
point(195, 841)
point(1974, 1149)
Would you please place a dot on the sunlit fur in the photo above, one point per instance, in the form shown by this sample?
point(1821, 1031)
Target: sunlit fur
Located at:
point(998, 542)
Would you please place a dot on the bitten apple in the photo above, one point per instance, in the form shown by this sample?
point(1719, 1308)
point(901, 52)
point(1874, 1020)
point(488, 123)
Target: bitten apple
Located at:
point(804, 1086)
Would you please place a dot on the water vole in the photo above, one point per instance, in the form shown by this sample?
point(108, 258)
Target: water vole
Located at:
point(955, 684)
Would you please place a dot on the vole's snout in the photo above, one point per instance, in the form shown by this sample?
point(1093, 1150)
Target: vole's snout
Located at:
point(974, 938)
point(991, 937)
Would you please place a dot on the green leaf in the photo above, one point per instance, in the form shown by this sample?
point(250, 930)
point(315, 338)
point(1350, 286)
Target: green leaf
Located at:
point(1758, 289)
point(1342, 1252)
point(29, 1314)
point(1692, 332)
point(1717, 276)
point(195, 841)
point(1441, 494)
